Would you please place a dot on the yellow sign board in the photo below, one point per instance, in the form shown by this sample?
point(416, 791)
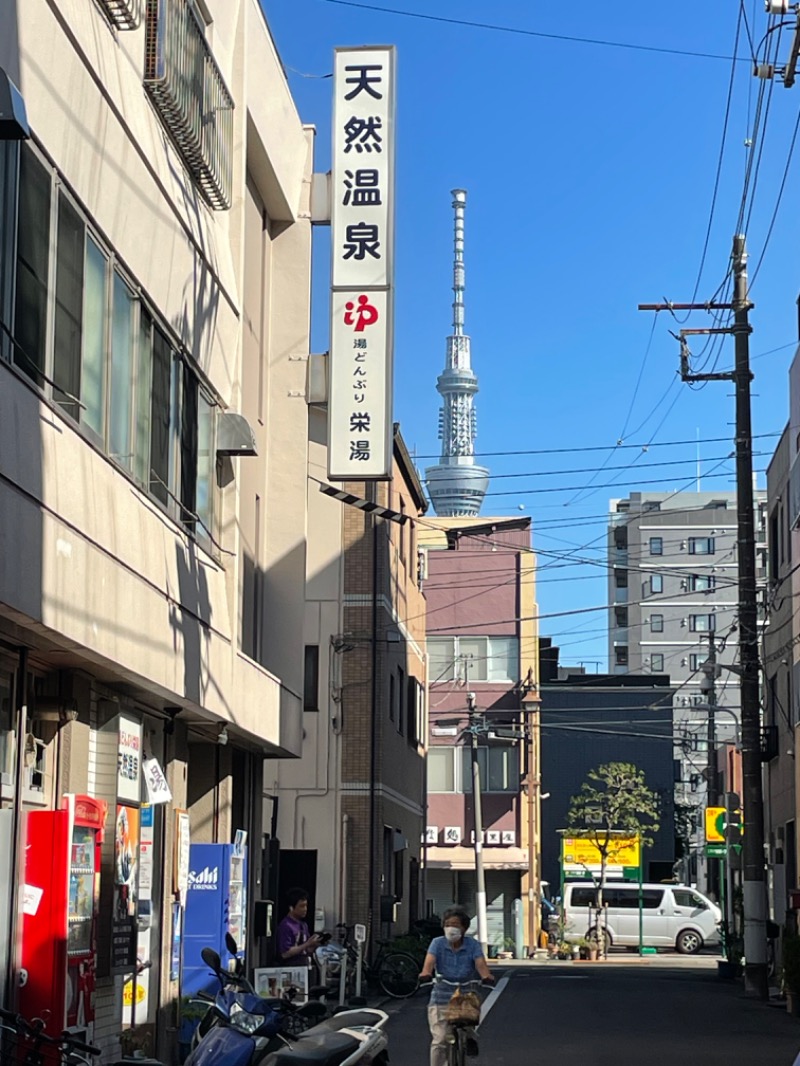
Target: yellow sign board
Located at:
point(580, 851)
point(127, 993)
point(715, 825)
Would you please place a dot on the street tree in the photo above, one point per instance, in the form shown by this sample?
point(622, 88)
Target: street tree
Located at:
point(614, 803)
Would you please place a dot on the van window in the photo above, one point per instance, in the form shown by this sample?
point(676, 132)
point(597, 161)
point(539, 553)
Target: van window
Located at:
point(583, 897)
point(685, 898)
point(628, 898)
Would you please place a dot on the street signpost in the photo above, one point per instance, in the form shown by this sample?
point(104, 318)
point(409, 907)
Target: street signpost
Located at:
point(360, 935)
point(724, 830)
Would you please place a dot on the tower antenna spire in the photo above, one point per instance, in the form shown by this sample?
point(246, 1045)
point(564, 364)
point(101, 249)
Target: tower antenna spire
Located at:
point(456, 485)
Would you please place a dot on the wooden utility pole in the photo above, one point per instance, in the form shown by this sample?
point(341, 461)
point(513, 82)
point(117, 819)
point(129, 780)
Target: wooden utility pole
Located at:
point(754, 881)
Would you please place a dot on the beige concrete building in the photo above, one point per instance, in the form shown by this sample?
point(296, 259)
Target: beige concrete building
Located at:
point(350, 812)
point(155, 246)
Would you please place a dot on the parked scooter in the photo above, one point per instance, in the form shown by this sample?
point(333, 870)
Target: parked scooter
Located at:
point(246, 1030)
point(292, 1019)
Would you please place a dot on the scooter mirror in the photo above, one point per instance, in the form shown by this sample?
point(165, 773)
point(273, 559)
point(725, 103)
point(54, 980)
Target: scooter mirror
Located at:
point(231, 944)
point(211, 959)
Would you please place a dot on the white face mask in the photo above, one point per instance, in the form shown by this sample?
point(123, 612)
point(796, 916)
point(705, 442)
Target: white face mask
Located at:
point(453, 933)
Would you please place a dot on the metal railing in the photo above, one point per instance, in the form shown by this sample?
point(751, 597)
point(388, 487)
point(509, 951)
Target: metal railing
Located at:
point(124, 14)
point(188, 90)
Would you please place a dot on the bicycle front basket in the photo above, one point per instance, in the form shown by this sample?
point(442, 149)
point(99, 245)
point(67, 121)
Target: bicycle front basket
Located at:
point(464, 1008)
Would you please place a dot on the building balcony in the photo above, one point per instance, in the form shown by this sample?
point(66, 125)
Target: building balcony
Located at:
point(187, 88)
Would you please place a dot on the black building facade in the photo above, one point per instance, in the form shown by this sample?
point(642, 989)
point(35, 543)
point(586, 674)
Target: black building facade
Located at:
point(591, 719)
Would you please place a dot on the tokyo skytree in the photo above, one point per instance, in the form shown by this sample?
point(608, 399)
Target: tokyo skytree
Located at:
point(456, 485)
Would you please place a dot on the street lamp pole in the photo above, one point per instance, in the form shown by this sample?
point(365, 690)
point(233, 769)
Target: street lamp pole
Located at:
point(530, 706)
point(477, 812)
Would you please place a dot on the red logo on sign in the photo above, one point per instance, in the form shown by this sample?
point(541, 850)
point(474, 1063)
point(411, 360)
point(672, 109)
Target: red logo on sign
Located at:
point(364, 315)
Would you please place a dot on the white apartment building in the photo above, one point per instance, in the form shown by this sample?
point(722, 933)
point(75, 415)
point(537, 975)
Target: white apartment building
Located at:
point(673, 582)
point(155, 253)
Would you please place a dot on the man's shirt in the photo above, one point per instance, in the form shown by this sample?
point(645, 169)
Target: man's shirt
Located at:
point(291, 933)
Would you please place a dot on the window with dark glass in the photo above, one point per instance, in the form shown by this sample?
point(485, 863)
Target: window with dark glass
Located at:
point(160, 418)
point(657, 663)
point(311, 678)
point(189, 407)
point(656, 546)
point(702, 582)
point(33, 255)
point(121, 373)
point(499, 767)
point(701, 545)
point(68, 326)
point(9, 154)
point(401, 700)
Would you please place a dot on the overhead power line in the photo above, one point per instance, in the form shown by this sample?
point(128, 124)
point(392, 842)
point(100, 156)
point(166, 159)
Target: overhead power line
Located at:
point(611, 484)
point(522, 32)
point(610, 469)
point(605, 447)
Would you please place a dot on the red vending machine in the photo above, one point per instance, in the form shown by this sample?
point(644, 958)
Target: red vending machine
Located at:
point(59, 933)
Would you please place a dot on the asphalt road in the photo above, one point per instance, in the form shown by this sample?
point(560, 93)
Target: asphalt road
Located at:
point(660, 1013)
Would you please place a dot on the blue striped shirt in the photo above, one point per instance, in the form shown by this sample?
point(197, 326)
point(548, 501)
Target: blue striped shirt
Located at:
point(453, 965)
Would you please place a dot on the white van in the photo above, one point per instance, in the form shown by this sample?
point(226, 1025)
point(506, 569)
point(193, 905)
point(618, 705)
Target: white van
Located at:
point(673, 916)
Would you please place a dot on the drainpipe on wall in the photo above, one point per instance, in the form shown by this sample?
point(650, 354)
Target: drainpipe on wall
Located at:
point(17, 871)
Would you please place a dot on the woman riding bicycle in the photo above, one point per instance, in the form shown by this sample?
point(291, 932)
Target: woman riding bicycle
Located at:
point(454, 958)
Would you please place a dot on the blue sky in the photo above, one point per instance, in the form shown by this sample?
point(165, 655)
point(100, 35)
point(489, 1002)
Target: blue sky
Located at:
point(590, 171)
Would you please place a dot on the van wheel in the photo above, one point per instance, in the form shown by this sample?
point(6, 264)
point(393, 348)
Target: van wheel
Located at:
point(689, 942)
point(592, 935)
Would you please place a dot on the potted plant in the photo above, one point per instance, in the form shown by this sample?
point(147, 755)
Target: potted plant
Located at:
point(592, 948)
point(509, 945)
point(564, 950)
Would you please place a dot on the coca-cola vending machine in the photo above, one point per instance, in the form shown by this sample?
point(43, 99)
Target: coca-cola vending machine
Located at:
point(59, 933)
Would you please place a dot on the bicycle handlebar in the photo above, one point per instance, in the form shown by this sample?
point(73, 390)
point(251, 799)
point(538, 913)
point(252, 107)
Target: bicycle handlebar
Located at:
point(36, 1030)
point(483, 982)
point(78, 1045)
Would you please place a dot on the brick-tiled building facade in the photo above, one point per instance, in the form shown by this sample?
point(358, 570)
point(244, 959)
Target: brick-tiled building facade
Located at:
point(351, 810)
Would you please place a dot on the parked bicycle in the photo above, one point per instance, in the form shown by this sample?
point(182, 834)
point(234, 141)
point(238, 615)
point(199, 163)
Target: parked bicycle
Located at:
point(25, 1043)
point(395, 972)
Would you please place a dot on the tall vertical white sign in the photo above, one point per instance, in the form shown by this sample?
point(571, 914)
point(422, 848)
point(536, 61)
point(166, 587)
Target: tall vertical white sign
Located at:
point(362, 269)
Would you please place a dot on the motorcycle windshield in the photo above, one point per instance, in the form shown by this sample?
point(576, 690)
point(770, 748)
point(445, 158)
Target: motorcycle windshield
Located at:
point(222, 1045)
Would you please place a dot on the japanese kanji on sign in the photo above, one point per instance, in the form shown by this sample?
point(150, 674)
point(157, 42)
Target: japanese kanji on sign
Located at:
point(362, 270)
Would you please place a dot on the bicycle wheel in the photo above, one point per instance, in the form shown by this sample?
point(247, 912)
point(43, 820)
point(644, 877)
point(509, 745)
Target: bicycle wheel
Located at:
point(398, 975)
point(458, 1048)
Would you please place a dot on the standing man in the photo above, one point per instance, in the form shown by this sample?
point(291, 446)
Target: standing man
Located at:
point(293, 938)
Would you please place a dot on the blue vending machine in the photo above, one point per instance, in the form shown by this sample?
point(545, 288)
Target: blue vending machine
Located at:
point(216, 903)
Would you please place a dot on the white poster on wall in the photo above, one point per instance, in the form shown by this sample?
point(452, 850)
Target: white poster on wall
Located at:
point(129, 759)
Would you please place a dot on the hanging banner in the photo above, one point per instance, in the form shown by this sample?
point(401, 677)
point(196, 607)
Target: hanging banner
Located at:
point(158, 791)
point(362, 268)
point(180, 861)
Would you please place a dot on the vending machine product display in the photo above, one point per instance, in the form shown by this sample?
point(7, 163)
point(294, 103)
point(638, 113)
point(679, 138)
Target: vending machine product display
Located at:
point(60, 908)
point(216, 904)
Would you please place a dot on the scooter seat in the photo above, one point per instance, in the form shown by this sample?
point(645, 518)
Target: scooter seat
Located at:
point(346, 1020)
point(325, 1049)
